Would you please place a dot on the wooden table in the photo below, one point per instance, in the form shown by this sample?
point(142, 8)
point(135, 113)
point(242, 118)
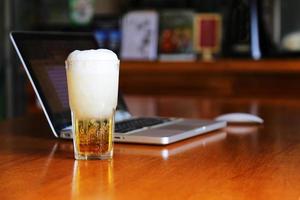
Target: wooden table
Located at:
point(240, 162)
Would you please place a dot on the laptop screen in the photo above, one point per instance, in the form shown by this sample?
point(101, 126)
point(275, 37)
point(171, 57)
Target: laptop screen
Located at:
point(44, 55)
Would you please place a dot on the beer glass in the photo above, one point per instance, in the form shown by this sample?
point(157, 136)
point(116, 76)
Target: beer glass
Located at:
point(92, 77)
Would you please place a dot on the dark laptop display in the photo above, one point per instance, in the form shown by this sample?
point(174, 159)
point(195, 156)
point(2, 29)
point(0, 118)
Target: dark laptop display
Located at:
point(45, 57)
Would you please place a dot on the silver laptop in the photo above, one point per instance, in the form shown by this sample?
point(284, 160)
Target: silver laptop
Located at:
point(43, 54)
point(167, 151)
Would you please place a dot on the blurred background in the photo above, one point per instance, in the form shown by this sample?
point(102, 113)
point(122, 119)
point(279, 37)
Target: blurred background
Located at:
point(204, 48)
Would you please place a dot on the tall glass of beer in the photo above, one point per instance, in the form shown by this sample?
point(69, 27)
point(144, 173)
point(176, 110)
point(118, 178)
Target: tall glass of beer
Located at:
point(93, 77)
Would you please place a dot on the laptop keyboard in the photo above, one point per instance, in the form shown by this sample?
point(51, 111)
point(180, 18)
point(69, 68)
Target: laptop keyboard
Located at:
point(137, 123)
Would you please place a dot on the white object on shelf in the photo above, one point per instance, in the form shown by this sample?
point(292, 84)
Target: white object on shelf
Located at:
point(139, 35)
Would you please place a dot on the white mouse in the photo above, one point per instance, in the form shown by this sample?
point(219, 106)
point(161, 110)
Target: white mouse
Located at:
point(240, 118)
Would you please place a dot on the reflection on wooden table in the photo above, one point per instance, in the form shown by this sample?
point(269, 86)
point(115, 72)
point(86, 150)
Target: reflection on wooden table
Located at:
point(239, 162)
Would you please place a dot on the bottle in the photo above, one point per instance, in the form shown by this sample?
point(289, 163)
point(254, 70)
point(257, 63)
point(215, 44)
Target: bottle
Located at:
point(247, 30)
point(236, 42)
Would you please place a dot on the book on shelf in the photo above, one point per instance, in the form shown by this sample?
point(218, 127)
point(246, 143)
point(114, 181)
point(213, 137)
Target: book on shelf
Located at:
point(176, 35)
point(139, 35)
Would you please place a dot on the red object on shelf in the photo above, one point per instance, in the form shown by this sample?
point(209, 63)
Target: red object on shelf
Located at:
point(207, 32)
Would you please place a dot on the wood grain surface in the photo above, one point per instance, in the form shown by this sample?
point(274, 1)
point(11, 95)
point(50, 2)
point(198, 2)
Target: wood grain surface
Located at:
point(239, 162)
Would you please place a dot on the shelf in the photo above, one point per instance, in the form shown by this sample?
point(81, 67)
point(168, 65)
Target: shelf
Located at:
point(230, 66)
point(222, 78)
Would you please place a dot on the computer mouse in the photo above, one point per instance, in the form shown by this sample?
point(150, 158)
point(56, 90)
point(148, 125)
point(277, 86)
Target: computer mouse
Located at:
point(240, 118)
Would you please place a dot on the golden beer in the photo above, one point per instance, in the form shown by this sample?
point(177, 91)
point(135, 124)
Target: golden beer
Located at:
point(93, 77)
point(93, 138)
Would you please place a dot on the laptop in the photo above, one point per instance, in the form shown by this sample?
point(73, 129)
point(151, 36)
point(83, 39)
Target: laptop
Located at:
point(167, 151)
point(43, 56)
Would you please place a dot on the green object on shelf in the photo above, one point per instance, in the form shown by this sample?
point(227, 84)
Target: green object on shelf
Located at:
point(81, 11)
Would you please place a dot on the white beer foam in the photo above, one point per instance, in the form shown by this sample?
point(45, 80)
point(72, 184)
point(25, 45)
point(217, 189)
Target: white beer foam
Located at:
point(93, 54)
point(93, 77)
